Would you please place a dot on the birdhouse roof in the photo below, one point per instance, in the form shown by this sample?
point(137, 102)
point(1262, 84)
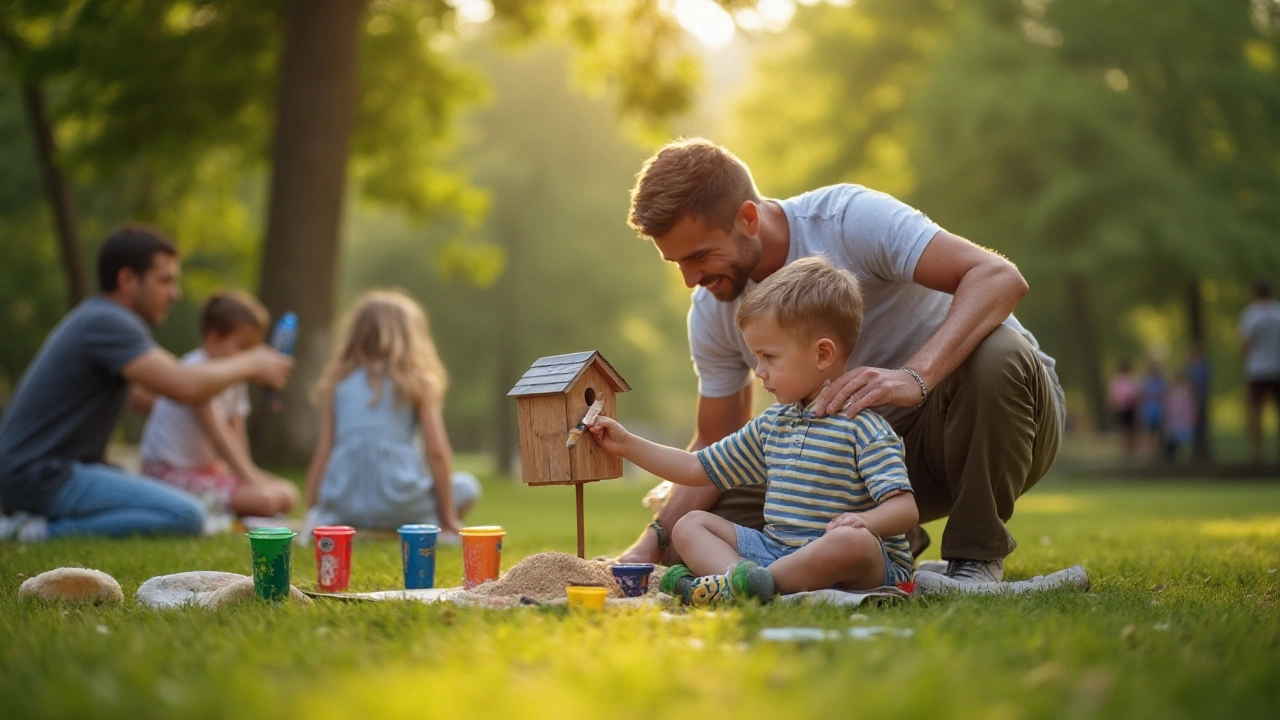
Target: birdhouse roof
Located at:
point(557, 373)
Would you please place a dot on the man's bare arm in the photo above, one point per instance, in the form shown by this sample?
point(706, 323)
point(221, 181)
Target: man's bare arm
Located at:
point(985, 288)
point(161, 372)
point(141, 400)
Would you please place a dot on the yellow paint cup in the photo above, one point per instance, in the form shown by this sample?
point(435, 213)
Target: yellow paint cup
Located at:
point(586, 597)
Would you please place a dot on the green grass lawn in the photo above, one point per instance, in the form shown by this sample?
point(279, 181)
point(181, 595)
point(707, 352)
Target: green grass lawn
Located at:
point(1182, 621)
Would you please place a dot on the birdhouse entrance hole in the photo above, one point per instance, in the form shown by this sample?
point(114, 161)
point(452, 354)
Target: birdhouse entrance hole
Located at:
point(589, 396)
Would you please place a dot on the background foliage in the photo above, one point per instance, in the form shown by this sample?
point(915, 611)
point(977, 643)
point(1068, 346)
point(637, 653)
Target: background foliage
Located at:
point(1125, 155)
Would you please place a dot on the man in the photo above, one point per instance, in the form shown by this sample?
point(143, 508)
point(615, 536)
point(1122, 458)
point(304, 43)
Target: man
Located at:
point(53, 439)
point(979, 408)
point(1260, 335)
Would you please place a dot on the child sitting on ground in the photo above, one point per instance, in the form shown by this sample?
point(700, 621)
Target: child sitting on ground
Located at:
point(384, 384)
point(838, 500)
point(204, 448)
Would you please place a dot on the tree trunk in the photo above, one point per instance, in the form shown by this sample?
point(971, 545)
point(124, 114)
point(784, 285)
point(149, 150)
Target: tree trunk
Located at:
point(315, 115)
point(1195, 312)
point(523, 200)
point(1088, 352)
point(55, 187)
point(504, 415)
point(1201, 450)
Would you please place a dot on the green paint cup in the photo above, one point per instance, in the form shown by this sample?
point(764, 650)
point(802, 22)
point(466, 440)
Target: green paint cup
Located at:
point(271, 570)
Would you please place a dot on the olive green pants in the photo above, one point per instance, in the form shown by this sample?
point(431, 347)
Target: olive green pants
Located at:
point(985, 436)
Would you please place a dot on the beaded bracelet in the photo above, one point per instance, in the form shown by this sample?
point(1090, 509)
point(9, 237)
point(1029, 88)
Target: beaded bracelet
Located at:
point(663, 539)
point(924, 391)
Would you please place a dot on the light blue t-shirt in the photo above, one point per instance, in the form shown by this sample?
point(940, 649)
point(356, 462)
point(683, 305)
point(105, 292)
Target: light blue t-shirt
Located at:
point(876, 237)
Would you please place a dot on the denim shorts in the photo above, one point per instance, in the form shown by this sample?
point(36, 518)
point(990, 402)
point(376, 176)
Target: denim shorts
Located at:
point(763, 550)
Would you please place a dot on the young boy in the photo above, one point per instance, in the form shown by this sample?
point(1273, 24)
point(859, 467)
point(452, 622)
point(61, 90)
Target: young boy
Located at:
point(838, 500)
point(203, 448)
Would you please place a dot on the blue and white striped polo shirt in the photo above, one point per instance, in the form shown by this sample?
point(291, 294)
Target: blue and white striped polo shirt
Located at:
point(816, 468)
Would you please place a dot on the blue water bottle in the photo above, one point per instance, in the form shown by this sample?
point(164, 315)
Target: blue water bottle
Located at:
point(283, 339)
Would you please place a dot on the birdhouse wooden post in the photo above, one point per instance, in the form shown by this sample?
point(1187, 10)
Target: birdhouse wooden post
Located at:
point(552, 398)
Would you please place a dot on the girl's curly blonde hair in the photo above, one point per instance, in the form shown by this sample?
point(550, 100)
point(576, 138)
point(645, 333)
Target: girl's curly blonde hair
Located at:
point(386, 334)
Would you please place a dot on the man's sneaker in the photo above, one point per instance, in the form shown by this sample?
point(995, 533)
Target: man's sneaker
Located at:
point(21, 527)
point(975, 571)
point(933, 566)
point(918, 540)
point(935, 583)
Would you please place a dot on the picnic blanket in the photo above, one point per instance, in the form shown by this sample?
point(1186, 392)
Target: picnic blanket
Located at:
point(460, 596)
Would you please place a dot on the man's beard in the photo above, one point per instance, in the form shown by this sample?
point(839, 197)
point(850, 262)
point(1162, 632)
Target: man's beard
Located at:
point(739, 271)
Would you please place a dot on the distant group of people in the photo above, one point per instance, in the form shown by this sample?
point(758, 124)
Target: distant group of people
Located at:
point(1157, 416)
point(382, 390)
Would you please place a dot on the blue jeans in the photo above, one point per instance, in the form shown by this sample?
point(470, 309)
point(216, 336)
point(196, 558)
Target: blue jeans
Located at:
point(107, 501)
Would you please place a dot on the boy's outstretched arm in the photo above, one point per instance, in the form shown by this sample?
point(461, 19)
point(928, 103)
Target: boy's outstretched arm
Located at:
point(679, 466)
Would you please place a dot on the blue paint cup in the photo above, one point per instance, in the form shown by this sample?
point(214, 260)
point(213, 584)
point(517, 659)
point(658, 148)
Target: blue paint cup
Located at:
point(418, 552)
point(632, 578)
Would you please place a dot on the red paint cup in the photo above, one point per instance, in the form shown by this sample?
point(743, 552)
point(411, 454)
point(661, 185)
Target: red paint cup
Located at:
point(481, 554)
point(333, 556)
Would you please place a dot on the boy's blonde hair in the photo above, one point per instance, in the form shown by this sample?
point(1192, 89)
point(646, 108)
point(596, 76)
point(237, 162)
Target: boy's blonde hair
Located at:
point(809, 298)
point(226, 310)
point(386, 333)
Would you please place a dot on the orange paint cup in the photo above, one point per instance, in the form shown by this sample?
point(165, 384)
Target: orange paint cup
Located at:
point(481, 554)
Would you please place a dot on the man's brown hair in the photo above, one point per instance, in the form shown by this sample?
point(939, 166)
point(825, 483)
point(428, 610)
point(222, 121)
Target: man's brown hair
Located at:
point(689, 177)
point(226, 310)
point(809, 298)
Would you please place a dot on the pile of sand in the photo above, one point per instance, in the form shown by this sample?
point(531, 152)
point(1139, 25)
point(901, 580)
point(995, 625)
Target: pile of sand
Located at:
point(543, 577)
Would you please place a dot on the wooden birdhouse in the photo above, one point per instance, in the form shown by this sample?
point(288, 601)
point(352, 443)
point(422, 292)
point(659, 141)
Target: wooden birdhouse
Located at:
point(552, 398)
point(555, 399)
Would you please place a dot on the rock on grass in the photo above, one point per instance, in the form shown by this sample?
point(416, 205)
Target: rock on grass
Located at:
point(77, 585)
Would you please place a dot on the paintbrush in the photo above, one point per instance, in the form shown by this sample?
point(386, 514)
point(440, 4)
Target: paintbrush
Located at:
point(587, 419)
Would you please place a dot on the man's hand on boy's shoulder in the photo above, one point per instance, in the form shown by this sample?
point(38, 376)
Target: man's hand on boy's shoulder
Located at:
point(868, 387)
point(849, 519)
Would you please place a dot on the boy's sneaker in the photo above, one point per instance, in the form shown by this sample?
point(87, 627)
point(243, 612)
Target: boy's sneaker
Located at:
point(749, 580)
point(677, 582)
point(744, 580)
